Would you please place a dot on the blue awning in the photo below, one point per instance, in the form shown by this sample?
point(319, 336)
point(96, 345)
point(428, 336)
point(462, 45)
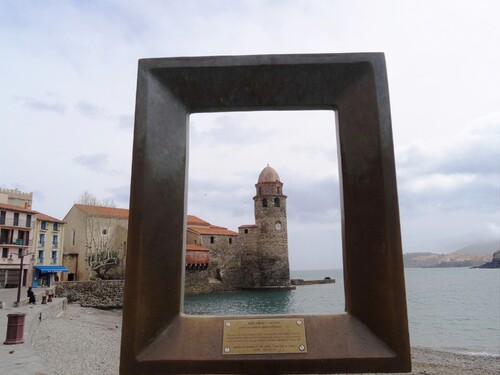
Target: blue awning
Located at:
point(50, 269)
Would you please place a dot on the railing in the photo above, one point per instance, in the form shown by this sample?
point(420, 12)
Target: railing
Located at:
point(53, 260)
point(18, 242)
point(41, 243)
point(55, 245)
point(10, 222)
point(40, 260)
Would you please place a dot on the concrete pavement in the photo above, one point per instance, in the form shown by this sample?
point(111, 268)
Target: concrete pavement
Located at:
point(20, 359)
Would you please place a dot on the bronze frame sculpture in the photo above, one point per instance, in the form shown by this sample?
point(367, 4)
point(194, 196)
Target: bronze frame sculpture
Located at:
point(372, 335)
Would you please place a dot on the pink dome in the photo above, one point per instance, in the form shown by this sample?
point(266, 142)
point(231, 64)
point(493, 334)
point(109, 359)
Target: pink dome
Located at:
point(268, 174)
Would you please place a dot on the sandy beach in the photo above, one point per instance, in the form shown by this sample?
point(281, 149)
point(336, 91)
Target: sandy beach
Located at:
point(87, 341)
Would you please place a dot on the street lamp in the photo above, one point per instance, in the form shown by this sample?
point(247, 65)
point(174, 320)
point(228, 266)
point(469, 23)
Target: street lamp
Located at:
point(20, 276)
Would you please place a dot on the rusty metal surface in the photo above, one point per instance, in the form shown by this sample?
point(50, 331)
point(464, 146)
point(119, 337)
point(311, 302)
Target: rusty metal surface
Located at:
point(373, 334)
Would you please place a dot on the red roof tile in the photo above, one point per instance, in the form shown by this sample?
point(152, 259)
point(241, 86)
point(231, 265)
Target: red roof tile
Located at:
point(11, 207)
point(195, 220)
point(44, 217)
point(213, 230)
point(195, 247)
point(121, 213)
point(248, 226)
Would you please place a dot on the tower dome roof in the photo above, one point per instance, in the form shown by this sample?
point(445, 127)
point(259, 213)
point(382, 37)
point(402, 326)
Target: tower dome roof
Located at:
point(268, 174)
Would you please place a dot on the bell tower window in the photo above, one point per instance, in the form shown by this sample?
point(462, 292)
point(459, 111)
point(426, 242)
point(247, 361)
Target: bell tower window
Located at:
point(260, 191)
point(278, 190)
point(264, 202)
point(276, 202)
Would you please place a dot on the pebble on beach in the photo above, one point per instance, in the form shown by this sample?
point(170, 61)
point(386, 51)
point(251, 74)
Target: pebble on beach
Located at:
point(87, 341)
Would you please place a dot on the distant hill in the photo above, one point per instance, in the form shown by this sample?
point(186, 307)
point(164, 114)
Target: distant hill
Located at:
point(480, 248)
point(469, 256)
point(428, 260)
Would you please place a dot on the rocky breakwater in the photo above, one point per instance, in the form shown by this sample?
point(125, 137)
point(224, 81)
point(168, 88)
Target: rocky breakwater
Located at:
point(100, 294)
point(326, 280)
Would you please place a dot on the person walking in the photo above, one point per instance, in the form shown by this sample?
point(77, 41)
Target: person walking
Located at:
point(31, 296)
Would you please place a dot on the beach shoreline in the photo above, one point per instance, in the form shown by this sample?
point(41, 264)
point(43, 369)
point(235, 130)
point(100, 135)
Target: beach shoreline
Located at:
point(87, 341)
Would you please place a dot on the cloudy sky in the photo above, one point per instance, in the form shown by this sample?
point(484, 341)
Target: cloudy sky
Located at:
point(68, 93)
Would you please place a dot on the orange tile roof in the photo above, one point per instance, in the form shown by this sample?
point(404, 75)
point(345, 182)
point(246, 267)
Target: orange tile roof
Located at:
point(195, 220)
point(213, 230)
point(44, 217)
point(11, 207)
point(121, 213)
point(195, 247)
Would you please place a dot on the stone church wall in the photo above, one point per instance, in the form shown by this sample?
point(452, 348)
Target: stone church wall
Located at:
point(224, 271)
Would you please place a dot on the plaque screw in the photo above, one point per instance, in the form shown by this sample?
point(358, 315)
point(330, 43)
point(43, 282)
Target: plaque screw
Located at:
point(301, 348)
point(228, 324)
point(299, 322)
point(226, 350)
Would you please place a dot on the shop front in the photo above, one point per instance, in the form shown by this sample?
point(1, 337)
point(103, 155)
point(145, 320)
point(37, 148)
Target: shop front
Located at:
point(46, 275)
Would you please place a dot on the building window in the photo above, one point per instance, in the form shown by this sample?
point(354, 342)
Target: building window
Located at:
point(55, 227)
point(260, 191)
point(246, 231)
point(40, 256)
point(264, 202)
point(278, 189)
point(43, 225)
point(2, 217)
point(218, 275)
point(53, 259)
point(28, 221)
point(276, 202)
point(212, 239)
point(55, 240)
point(41, 241)
point(230, 241)
point(74, 236)
point(16, 219)
point(5, 252)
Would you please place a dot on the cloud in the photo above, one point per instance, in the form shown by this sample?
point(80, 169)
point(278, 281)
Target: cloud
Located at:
point(314, 202)
point(121, 195)
point(454, 173)
point(42, 105)
point(95, 162)
point(125, 122)
point(90, 110)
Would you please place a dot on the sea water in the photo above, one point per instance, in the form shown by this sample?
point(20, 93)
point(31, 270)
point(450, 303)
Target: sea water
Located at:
point(452, 309)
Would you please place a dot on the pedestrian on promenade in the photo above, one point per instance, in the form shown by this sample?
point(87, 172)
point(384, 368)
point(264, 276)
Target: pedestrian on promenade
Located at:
point(31, 296)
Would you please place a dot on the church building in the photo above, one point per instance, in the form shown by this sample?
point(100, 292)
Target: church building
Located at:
point(256, 257)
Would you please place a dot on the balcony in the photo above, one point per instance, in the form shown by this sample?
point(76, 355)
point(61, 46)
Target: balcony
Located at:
point(15, 243)
point(11, 222)
point(41, 244)
point(39, 260)
point(53, 260)
point(55, 245)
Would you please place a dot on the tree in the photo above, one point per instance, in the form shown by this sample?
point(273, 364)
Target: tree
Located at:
point(102, 254)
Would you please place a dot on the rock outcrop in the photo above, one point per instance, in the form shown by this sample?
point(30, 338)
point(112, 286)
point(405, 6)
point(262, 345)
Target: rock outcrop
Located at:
point(495, 261)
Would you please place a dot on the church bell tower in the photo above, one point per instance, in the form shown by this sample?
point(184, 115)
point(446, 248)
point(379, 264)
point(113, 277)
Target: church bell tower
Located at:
point(272, 240)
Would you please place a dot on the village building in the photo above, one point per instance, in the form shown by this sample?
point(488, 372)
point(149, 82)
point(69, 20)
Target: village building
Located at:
point(16, 237)
point(48, 250)
point(95, 244)
point(216, 258)
point(254, 258)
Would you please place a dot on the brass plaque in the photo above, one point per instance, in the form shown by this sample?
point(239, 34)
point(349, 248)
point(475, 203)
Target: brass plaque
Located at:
point(264, 336)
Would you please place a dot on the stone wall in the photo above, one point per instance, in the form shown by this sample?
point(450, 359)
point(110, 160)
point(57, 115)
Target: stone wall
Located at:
point(224, 270)
point(97, 294)
point(196, 282)
point(108, 294)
